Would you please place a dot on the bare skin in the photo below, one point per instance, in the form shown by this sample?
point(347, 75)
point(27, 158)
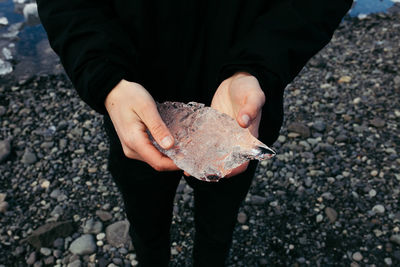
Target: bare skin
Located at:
point(133, 110)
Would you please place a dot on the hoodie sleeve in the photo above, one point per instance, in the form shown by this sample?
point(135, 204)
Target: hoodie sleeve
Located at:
point(94, 51)
point(283, 39)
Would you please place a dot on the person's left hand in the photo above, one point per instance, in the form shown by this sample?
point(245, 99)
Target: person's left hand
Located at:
point(242, 98)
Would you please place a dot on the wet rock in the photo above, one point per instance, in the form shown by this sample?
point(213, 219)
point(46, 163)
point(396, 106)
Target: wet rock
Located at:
point(242, 217)
point(299, 128)
point(104, 215)
point(319, 126)
point(76, 263)
point(45, 235)
point(117, 234)
point(331, 214)
point(357, 256)
point(3, 206)
point(31, 259)
point(377, 122)
point(83, 245)
point(45, 251)
point(379, 209)
point(258, 200)
point(92, 227)
point(5, 150)
point(28, 157)
point(395, 239)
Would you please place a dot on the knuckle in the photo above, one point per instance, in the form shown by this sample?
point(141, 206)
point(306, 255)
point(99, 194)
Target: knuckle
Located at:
point(156, 129)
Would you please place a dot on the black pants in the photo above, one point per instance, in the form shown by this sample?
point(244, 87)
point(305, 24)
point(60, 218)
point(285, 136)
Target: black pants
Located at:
point(148, 197)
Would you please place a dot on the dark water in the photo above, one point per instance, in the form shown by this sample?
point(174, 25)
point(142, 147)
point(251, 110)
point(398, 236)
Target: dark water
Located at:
point(31, 40)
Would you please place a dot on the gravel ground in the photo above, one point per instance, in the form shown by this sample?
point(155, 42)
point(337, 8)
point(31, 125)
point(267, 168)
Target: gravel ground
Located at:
point(330, 197)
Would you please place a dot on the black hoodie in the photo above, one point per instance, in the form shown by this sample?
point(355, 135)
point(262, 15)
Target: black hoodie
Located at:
point(181, 50)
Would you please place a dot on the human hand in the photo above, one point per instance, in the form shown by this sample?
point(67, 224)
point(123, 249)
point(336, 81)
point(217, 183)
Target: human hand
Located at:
point(242, 98)
point(133, 110)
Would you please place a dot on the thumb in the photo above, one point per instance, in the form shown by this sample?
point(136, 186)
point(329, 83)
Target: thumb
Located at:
point(152, 119)
point(250, 109)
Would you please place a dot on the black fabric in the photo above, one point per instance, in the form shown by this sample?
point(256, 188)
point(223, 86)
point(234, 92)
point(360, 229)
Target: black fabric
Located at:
point(182, 50)
point(148, 196)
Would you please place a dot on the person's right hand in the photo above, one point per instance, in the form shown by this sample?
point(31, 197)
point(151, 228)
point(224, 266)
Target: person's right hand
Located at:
point(133, 110)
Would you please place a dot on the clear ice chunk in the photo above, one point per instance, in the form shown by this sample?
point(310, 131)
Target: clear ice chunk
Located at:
point(208, 144)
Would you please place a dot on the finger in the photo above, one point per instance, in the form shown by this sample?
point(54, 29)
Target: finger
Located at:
point(151, 155)
point(250, 109)
point(186, 174)
point(152, 119)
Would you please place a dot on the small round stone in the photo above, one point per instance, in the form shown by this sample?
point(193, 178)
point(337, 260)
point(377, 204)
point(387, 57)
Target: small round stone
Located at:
point(357, 256)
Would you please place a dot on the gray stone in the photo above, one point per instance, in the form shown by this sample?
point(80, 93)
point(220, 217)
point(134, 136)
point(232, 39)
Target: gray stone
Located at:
point(395, 239)
point(92, 227)
point(377, 122)
point(49, 261)
point(58, 210)
point(331, 214)
point(76, 263)
point(117, 234)
point(357, 256)
point(388, 261)
point(299, 128)
point(83, 245)
point(242, 217)
point(2, 197)
point(5, 150)
point(379, 209)
point(45, 251)
point(319, 126)
point(258, 200)
point(3, 206)
point(3, 110)
point(103, 215)
point(31, 259)
point(28, 157)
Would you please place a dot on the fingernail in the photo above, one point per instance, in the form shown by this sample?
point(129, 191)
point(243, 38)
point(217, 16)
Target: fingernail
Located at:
point(246, 119)
point(166, 142)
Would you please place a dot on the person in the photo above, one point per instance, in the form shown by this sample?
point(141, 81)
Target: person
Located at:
point(236, 56)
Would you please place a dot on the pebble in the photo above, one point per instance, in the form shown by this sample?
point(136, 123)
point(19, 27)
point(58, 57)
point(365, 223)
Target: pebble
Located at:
point(28, 157)
point(357, 256)
point(117, 234)
point(377, 122)
point(100, 236)
point(5, 150)
point(76, 263)
point(395, 239)
point(388, 261)
point(242, 217)
point(31, 259)
point(331, 214)
point(45, 251)
point(319, 218)
point(299, 128)
point(3, 206)
point(379, 209)
point(83, 245)
point(92, 227)
point(104, 215)
point(319, 126)
point(372, 193)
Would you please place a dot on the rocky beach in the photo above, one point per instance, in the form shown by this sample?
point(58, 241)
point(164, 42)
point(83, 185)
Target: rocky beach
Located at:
point(329, 198)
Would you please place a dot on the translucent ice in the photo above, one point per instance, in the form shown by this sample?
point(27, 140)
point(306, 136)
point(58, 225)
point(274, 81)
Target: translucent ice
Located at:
point(208, 144)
